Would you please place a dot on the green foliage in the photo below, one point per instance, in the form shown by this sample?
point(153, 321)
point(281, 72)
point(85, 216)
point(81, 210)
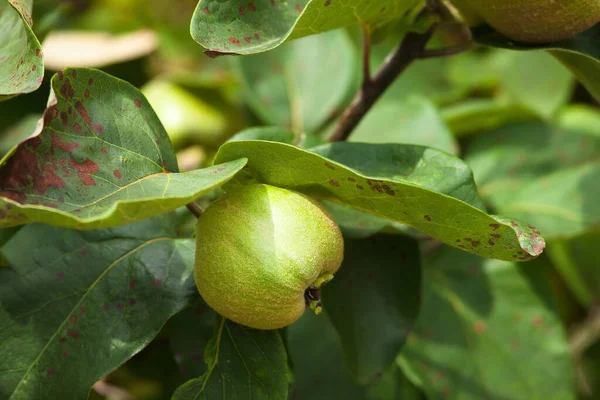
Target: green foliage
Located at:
point(21, 65)
point(437, 296)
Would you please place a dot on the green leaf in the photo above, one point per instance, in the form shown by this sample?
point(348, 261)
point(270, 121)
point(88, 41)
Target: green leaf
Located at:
point(102, 159)
point(484, 333)
point(243, 363)
point(76, 305)
point(420, 187)
point(478, 115)
point(544, 173)
point(543, 93)
point(316, 354)
point(241, 27)
point(301, 83)
point(320, 373)
point(359, 224)
point(17, 133)
point(576, 260)
point(374, 301)
point(189, 332)
point(415, 120)
point(21, 65)
point(581, 53)
point(269, 133)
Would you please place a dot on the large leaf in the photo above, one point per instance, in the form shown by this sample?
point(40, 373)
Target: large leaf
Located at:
point(420, 187)
point(21, 65)
point(102, 159)
point(76, 305)
point(243, 363)
point(483, 333)
point(545, 173)
point(374, 301)
point(242, 27)
point(581, 53)
point(189, 332)
point(301, 83)
point(575, 258)
point(415, 120)
point(320, 373)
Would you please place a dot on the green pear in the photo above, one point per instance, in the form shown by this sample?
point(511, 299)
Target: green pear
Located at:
point(263, 253)
point(533, 21)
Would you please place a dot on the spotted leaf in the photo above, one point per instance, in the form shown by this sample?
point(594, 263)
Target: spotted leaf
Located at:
point(77, 304)
point(102, 159)
point(421, 187)
point(21, 65)
point(248, 27)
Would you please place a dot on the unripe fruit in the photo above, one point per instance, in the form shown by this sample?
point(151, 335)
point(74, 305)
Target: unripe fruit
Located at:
point(533, 21)
point(263, 253)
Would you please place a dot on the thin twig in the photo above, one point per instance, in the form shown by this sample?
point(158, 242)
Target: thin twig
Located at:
point(366, 56)
point(195, 209)
point(446, 51)
point(412, 46)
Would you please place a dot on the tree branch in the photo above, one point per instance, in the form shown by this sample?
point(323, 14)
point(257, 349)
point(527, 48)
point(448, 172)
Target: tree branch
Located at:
point(410, 49)
point(195, 209)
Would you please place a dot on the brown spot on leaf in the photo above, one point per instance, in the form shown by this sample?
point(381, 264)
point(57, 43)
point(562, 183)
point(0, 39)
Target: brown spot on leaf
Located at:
point(206, 11)
point(66, 90)
point(74, 74)
point(427, 217)
point(58, 143)
point(360, 187)
point(65, 353)
point(50, 372)
point(327, 3)
point(117, 174)
point(537, 321)
point(495, 226)
point(131, 301)
point(137, 103)
point(351, 180)
point(60, 276)
point(328, 165)
point(73, 333)
point(333, 182)
point(73, 320)
point(82, 310)
point(491, 242)
point(235, 42)
point(251, 7)
point(132, 284)
point(80, 108)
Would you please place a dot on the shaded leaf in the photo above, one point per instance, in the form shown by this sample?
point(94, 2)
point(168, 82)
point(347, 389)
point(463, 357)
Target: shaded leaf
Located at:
point(316, 354)
point(479, 115)
point(76, 305)
point(241, 27)
point(576, 260)
point(420, 187)
point(374, 301)
point(21, 65)
point(189, 332)
point(413, 121)
point(542, 93)
point(17, 133)
point(269, 133)
point(484, 333)
point(300, 84)
point(320, 373)
point(581, 53)
point(102, 159)
point(544, 173)
point(243, 363)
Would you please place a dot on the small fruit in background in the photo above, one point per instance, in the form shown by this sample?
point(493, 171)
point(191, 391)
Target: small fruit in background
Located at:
point(263, 254)
point(533, 21)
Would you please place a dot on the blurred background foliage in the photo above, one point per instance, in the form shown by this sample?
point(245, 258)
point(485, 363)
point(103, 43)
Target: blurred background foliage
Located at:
point(519, 119)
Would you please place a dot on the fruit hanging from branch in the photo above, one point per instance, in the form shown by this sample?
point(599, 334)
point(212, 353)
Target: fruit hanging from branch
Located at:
point(533, 21)
point(263, 254)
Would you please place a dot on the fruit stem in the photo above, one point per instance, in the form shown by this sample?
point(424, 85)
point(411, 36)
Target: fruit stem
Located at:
point(312, 295)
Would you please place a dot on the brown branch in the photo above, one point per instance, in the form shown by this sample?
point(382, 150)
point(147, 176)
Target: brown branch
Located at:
point(410, 49)
point(366, 55)
point(195, 209)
